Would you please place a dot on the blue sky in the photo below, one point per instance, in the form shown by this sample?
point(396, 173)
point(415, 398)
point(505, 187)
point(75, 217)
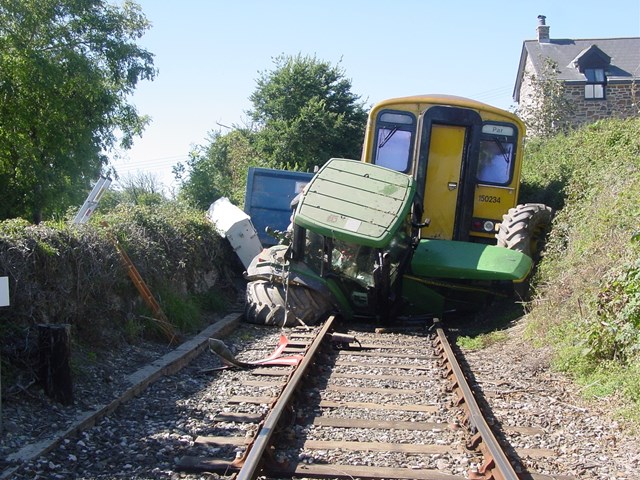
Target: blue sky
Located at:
point(209, 54)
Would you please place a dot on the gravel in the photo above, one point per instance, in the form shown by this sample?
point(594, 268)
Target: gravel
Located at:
point(524, 391)
point(145, 437)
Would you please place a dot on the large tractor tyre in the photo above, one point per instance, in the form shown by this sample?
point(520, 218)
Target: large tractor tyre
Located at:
point(524, 229)
point(266, 305)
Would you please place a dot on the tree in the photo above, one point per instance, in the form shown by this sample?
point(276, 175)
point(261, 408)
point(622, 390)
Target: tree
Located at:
point(218, 169)
point(66, 70)
point(305, 113)
point(546, 110)
point(137, 189)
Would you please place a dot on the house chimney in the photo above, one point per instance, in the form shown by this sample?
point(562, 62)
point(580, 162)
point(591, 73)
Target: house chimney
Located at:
point(543, 30)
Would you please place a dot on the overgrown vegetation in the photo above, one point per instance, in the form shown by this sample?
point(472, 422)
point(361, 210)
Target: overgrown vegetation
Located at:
point(480, 341)
point(73, 274)
point(588, 283)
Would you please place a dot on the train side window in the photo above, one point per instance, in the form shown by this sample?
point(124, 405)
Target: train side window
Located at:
point(394, 140)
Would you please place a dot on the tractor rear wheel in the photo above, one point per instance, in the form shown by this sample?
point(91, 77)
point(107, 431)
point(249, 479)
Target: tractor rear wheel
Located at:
point(268, 303)
point(524, 229)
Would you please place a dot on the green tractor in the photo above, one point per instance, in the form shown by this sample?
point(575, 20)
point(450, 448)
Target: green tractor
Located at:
point(426, 222)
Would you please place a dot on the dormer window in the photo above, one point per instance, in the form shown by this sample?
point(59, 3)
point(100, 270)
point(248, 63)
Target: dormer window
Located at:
point(594, 88)
point(592, 63)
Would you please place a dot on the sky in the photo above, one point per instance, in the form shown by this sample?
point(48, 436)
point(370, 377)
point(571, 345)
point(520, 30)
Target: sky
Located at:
point(209, 54)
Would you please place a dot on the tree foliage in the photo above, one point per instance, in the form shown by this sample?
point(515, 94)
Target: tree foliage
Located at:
point(303, 114)
point(546, 110)
point(218, 169)
point(306, 113)
point(137, 189)
point(66, 70)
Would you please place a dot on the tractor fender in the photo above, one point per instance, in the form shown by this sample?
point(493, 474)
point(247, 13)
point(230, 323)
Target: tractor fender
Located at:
point(452, 259)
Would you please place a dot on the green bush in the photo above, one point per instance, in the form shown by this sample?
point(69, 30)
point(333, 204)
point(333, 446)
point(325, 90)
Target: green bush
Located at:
point(564, 168)
point(616, 334)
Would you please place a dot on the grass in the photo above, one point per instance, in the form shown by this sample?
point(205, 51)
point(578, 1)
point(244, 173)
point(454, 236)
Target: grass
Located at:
point(482, 340)
point(587, 302)
point(607, 381)
point(487, 327)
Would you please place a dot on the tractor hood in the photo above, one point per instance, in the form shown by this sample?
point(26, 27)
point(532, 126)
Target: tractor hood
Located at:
point(468, 261)
point(356, 202)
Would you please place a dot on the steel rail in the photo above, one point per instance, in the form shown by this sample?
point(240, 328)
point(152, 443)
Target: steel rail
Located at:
point(494, 454)
point(257, 449)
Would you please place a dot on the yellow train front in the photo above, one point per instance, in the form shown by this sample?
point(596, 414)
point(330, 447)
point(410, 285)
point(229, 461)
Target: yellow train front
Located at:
point(465, 156)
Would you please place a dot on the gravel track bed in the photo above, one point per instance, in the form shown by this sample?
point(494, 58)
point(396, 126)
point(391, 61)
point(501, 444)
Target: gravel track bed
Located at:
point(368, 414)
point(523, 390)
point(145, 437)
point(456, 464)
point(414, 383)
point(378, 398)
point(426, 381)
point(29, 416)
point(436, 437)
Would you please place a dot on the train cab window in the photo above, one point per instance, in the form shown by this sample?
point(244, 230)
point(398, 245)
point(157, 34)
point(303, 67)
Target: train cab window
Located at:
point(497, 148)
point(394, 140)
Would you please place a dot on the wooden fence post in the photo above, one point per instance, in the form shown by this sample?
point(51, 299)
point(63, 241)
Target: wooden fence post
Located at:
point(54, 345)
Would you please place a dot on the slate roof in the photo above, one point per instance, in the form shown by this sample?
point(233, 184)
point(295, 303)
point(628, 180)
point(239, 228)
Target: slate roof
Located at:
point(624, 53)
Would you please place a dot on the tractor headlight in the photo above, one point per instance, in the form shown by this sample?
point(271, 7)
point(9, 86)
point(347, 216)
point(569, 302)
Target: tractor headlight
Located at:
point(489, 226)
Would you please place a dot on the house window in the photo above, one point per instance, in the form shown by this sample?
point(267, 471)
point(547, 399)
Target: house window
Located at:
point(594, 88)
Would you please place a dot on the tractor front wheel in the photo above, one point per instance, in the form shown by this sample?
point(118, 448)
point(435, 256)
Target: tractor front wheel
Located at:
point(269, 303)
point(524, 229)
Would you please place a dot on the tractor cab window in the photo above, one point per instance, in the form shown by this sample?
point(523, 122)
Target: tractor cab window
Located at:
point(314, 251)
point(332, 256)
point(353, 261)
point(394, 140)
point(497, 149)
point(358, 262)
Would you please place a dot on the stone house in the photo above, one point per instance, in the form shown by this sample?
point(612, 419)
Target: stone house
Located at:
point(601, 76)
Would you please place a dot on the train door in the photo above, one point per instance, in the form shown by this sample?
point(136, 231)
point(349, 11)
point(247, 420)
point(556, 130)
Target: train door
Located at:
point(446, 169)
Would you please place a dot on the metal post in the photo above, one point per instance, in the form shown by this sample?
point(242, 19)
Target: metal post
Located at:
point(4, 302)
point(92, 200)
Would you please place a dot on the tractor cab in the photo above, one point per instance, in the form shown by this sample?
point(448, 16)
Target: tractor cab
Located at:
point(464, 155)
point(352, 227)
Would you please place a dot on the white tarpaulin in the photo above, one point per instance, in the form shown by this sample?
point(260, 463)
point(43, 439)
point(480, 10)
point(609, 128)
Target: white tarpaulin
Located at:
point(236, 226)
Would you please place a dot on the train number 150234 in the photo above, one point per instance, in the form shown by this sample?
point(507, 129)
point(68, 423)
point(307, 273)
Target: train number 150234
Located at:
point(489, 199)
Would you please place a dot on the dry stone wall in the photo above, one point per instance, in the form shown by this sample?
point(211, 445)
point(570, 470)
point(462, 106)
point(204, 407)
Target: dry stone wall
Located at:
point(621, 101)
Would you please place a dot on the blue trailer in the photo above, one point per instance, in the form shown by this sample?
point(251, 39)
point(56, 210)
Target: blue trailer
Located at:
point(268, 198)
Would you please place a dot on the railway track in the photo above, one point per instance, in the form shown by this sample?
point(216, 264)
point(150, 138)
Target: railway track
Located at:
point(357, 403)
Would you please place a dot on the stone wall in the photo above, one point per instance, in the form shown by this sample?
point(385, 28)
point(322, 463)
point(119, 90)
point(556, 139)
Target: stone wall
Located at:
point(526, 88)
point(621, 101)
